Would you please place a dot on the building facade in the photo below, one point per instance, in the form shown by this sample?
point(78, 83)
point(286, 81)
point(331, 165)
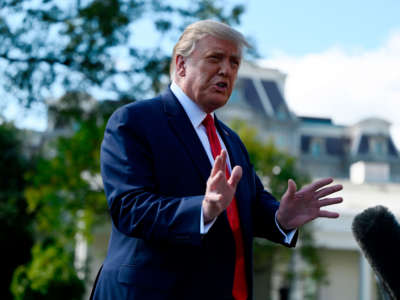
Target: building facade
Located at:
point(322, 147)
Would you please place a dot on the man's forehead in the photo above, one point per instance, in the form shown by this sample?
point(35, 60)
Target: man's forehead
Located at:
point(211, 44)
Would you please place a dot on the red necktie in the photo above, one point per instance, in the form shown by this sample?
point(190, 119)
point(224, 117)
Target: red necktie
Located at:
point(239, 290)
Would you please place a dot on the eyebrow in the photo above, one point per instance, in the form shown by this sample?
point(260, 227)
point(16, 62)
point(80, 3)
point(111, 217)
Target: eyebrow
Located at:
point(218, 51)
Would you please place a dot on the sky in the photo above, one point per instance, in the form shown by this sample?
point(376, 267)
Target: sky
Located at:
point(342, 58)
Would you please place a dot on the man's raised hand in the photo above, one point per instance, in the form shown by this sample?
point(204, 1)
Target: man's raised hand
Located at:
point(220, 190)
point(300, 207)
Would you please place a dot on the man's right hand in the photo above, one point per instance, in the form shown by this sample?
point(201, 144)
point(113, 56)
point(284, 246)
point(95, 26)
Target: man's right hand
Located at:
point(220, 190)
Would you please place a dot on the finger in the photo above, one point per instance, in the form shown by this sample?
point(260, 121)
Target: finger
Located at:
point(328, 214)
point(328, 190)
point(223, 158)
point(236, 175)
point(213, 197)
point(330, 201)
point(320, 183)
point(291, 190)
point(216, 166)
point(292, 187)
point(218, 179)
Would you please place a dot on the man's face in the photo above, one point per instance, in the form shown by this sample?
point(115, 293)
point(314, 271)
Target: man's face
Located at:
point(208, 74)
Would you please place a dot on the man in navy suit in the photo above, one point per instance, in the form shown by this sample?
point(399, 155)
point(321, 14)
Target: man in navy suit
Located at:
point(184, 199)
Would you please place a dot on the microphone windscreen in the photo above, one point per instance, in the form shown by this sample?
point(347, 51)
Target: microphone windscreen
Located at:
point(378, 234)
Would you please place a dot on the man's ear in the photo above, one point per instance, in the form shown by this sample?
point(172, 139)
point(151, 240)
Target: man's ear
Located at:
point(180, 65)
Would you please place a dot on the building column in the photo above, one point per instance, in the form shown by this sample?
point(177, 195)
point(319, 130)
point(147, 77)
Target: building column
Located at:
point(295, 292)
point(365, 292)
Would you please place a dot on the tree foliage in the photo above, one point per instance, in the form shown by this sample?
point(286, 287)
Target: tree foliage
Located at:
point(66, 195)
point(48, 46)
point(276, 168)
point(49, 275)
point(16, 236)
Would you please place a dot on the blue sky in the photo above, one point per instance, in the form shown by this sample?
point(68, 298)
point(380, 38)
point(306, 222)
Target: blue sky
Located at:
point(342, 58)
point(300, 27)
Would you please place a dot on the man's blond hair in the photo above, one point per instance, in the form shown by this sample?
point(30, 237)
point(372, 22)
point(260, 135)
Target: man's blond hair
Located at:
point(200, 29)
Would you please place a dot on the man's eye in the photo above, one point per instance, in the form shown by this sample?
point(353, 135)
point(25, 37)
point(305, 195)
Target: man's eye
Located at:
point(235, 64)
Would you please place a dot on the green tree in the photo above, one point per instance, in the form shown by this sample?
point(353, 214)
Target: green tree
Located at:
point(49, 275)
point(51, 45)
point(67, 198)
point(276, 168)
point(15, 223)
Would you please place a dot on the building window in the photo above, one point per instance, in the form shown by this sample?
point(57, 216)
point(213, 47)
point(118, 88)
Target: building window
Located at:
point(378, 146)
point(317, 146)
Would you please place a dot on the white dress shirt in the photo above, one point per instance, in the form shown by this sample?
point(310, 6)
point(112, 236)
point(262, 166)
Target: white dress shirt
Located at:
point(196, 116)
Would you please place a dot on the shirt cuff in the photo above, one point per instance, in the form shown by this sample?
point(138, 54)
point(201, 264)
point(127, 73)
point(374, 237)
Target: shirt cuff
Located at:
point(204, 228)
point(288, 235)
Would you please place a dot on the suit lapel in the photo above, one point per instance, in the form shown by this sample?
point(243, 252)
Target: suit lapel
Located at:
point(185, 132)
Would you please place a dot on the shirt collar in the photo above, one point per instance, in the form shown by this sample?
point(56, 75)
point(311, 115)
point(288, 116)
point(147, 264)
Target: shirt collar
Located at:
point(193, 111)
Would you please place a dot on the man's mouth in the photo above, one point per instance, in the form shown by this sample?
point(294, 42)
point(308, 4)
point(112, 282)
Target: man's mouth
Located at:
point(222, 84)
point(221, 87)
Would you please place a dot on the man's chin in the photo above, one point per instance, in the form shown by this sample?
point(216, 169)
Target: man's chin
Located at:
point(217, 102)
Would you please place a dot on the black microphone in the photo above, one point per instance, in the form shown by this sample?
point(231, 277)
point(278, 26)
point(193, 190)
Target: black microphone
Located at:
point(378, 234)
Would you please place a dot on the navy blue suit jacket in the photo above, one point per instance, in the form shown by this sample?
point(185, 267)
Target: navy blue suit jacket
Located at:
point(155, 170)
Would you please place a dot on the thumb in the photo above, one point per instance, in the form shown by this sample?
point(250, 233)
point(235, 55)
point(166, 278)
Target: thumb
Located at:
point(236, 175)
point(292, 188)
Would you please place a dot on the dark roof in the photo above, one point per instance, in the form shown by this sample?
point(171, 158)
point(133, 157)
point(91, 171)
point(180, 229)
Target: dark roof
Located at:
point(363, 147)
point(305, 143)
point(336, 146)
point(391, 148)
point(277, 102)
point(250, 94)
point(314, 120)
point(333, 145)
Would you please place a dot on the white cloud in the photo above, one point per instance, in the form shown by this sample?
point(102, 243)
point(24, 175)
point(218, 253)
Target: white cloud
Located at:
point(346, 85)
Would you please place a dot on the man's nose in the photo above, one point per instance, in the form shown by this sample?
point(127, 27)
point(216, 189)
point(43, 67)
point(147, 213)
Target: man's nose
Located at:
point(225, 68)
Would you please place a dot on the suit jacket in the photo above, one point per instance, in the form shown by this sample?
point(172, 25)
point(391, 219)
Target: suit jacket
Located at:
point(154, 171)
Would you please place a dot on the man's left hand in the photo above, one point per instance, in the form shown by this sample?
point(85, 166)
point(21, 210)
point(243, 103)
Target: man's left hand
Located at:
point(300, 207)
